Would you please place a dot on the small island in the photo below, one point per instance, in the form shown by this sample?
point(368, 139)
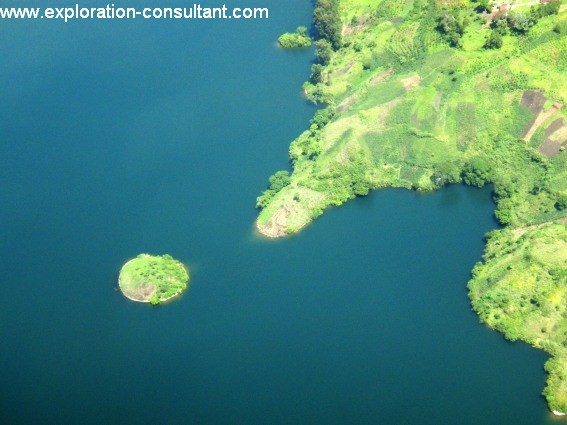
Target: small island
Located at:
point(153, 278)
point(295, 40)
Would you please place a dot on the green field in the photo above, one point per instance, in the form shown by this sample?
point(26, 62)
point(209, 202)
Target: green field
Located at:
point(153, 279)
point(420, 94)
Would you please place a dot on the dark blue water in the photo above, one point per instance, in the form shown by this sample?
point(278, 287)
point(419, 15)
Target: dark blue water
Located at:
point(131, 137)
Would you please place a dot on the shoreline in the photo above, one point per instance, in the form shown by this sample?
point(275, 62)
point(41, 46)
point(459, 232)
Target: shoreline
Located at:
point(285, 235)
point(265, 235)
point(147, 301)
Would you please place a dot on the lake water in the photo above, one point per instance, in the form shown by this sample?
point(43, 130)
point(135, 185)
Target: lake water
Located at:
point(118, 138)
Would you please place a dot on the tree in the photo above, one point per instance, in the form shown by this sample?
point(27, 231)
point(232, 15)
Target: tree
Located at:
point(451, 28)
point(521, 23)
point(561, 203)
point(302, 31)
point(493, 41)
point(542, 10)
point(322, 117)
point(482, 6)
point(500, 26)
point(324, 51)
point(316, 73)
point(560, 27)
point(306, 146)
point(295, 40)
point(477, 172)
point(446, 172)
point(328, 22)
point(279, 180)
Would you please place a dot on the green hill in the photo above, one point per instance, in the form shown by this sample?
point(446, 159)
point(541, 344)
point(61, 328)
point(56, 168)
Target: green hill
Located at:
point(419, 94)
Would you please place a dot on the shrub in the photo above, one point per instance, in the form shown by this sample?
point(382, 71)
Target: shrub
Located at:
point(542, 10)
point(477, 172)
point(493, 41)
point(451, 28)
point(445, 173)
point(324, 51)
point(500, 26)
point(521, 23)
point(560, 27)
point(316, 76)
point(298, 39)
point(328, 22)
point(278, 181)
point(561, 203)
point(482, 6)
point(322, 117)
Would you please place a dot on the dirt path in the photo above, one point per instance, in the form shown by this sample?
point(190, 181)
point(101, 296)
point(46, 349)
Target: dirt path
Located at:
point(516, 5)
point(532, 3)
point(542, 116)
point(521, 230)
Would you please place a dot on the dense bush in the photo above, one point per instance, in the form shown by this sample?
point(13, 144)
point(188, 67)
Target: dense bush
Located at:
point(493, 41)
point(324, 51)
point(328, 22)
point(561, 203)
point(316, 93)
point(445, 173)
point(521, 23)
point(308, 146)
point(278, 181)
point(322, 117)
point(298, 39)
point(560, 27)
point(316, 76)
point(482, 6)
point(543, 10)
point(477, 172)
point(452, 29)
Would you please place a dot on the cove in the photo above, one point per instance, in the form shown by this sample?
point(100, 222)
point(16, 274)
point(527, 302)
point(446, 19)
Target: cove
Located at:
point(156, 137)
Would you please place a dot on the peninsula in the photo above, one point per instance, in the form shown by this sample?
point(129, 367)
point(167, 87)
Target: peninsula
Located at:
point(419, 94)
point(153, 278)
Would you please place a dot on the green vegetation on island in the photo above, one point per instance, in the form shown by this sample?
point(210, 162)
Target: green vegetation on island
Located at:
point(297, 39)
point(423, 93)
point(153, 278)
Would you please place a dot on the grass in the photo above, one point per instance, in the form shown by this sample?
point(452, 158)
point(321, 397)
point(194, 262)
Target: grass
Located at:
point(151, 278)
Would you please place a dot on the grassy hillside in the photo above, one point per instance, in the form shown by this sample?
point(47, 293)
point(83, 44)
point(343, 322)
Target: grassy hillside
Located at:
point(419, 94)
point(520, 290)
